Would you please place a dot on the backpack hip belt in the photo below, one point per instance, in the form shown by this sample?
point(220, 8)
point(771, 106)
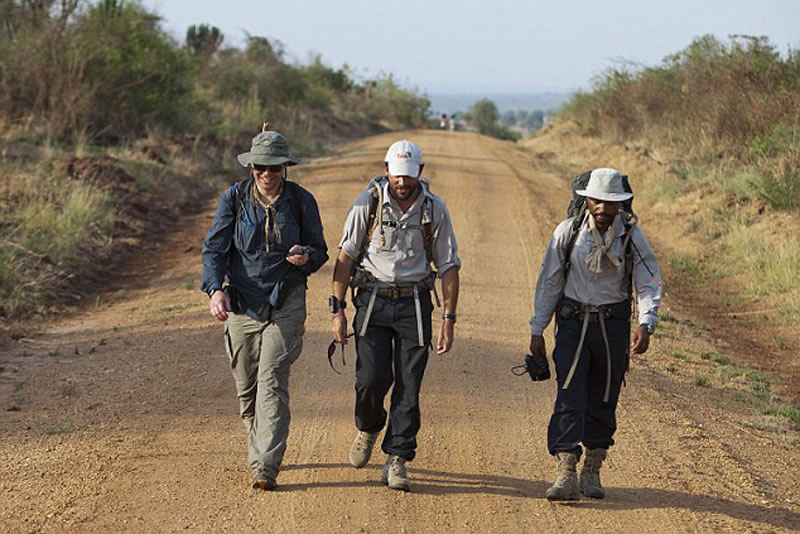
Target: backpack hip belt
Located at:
point(572, 309)
point(395, 291)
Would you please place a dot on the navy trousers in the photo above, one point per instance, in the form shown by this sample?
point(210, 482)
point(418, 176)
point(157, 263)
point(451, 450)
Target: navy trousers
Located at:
point(389, 353)
point(580, 415)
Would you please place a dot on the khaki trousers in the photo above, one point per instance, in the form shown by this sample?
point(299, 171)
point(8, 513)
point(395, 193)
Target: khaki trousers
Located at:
point(260, 355)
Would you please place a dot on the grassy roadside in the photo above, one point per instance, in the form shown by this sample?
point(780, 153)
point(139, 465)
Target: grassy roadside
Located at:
point(72, 215)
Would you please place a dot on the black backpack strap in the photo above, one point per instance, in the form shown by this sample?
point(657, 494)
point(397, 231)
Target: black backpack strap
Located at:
point(293, 194)
point(426, 227)
point(239, 191)
point(573, 237)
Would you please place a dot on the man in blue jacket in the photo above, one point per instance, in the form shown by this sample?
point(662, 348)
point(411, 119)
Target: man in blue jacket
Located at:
point(265, 241)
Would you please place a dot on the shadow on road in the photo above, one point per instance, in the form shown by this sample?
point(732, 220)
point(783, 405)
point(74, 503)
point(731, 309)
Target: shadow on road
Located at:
point(427, 482)
point(644, 498)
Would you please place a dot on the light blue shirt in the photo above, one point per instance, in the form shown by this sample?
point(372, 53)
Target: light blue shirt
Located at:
point(591, 288)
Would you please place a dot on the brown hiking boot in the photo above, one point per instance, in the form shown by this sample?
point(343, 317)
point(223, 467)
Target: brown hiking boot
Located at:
point(394, 473)
point(361, 449)
point(263, 481)
point(565, 488)
point(590, 474)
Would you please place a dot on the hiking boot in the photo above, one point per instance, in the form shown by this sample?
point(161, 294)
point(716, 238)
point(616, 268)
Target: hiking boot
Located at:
point(590, 474)
point(565, 488)
point(263, 481)
point(361, 449)
point(394, 473)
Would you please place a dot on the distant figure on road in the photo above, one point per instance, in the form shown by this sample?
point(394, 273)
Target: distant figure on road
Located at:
point(394, 231)
point(265, 241)
point(451, 123)
point(590, 292)
point(443, 121)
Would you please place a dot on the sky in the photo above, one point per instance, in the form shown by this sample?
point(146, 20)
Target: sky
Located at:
point(472, 46)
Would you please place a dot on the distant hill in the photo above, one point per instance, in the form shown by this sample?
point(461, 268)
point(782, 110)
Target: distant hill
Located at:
point(449, 103)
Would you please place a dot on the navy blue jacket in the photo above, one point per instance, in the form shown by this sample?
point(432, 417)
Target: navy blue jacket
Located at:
point(235, 251)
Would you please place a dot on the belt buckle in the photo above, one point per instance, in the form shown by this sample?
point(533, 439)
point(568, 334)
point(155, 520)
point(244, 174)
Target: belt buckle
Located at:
point(395, 293)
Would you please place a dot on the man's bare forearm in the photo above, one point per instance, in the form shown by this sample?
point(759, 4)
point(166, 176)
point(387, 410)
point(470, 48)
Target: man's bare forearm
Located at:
point(450, 287)
point(341, 274)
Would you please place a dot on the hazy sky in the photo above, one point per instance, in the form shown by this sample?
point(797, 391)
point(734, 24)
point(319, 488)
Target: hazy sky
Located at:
point(466, 46)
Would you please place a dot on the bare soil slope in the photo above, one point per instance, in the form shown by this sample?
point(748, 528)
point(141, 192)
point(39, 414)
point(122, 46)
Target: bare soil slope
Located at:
point(123, 417)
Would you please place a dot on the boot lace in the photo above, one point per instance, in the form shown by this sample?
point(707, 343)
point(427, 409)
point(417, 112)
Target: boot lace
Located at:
point(365, 441)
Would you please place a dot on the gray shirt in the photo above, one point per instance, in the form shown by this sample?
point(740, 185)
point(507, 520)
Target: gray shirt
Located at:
point(591, 288)
point(402, 257)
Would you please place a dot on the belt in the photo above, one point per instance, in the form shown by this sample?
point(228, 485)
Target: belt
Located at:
point(396, 292)
point(572, 309)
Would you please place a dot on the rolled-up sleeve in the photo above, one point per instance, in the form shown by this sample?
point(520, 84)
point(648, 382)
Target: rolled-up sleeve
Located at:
point(646, 279)
point(355, 226)
point(445, 249)
point(550, 283)
point(217, 245)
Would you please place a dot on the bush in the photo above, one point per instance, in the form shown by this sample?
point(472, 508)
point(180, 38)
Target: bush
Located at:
point(736, 102)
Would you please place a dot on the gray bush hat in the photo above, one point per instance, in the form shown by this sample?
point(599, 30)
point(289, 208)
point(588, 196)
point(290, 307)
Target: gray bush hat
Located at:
point(605, 184)
point(268, 148)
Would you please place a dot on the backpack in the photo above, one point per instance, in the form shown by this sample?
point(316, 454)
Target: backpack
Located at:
point(375, 219)
point(292, 190)
point(578, 207)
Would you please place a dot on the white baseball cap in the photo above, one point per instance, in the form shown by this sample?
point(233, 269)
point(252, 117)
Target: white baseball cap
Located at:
point(404, 159)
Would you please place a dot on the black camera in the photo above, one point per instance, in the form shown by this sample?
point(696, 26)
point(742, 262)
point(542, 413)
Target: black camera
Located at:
point(537, 367)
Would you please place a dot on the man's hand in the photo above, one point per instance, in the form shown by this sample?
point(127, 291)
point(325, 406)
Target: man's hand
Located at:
point(445, 341)
point(297, 256)
point(538, 346)
point(339, 327)
point(641, 340)
point(220, 305)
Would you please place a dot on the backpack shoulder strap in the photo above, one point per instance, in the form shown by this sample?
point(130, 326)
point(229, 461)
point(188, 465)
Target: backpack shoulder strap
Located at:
point(374, 217)
point(294, 192)
point(574, 230)
point(426, 220)
point(239, 192)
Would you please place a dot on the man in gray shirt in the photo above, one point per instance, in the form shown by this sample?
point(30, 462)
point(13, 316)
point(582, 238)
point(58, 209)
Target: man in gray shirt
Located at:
point(590, 291)
point(393, 232)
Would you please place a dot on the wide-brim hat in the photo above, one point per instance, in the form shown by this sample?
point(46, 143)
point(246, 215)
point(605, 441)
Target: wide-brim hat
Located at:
point(404, 158)
point(268, 148)
point(605, 184)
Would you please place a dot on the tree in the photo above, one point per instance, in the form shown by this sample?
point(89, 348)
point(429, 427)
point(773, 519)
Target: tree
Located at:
point(483, 114)
point(203, 40)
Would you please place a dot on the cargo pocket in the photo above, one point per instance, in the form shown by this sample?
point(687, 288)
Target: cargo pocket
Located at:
point(229, 348)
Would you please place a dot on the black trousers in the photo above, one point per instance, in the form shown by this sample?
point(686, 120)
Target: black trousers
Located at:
point(389, 353)
point(580, 414)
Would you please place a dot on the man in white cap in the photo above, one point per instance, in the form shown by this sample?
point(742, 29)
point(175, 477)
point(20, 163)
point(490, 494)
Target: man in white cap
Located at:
point(586, 279)
point(393, 233)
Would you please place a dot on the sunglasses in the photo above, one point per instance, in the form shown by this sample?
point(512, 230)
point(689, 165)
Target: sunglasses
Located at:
point(272, 169)
point(332, 349)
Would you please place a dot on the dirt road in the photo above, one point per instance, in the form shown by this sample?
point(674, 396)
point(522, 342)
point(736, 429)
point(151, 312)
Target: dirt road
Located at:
point(123, 417)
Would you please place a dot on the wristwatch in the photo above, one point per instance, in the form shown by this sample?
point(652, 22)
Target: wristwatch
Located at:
point(449, 316)
point(334, 304)
point(650, 328)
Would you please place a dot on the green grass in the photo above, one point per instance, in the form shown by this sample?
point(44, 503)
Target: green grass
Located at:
point(167, 310)
point(678, 355)
point(64, 427)
point(702, 381)
point(683, 264)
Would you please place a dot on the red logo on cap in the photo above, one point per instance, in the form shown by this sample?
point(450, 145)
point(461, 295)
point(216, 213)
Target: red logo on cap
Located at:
point(404, 155)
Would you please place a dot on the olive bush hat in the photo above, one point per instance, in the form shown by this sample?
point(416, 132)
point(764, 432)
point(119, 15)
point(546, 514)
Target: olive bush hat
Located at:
point(268, 148)
point(605, 184)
